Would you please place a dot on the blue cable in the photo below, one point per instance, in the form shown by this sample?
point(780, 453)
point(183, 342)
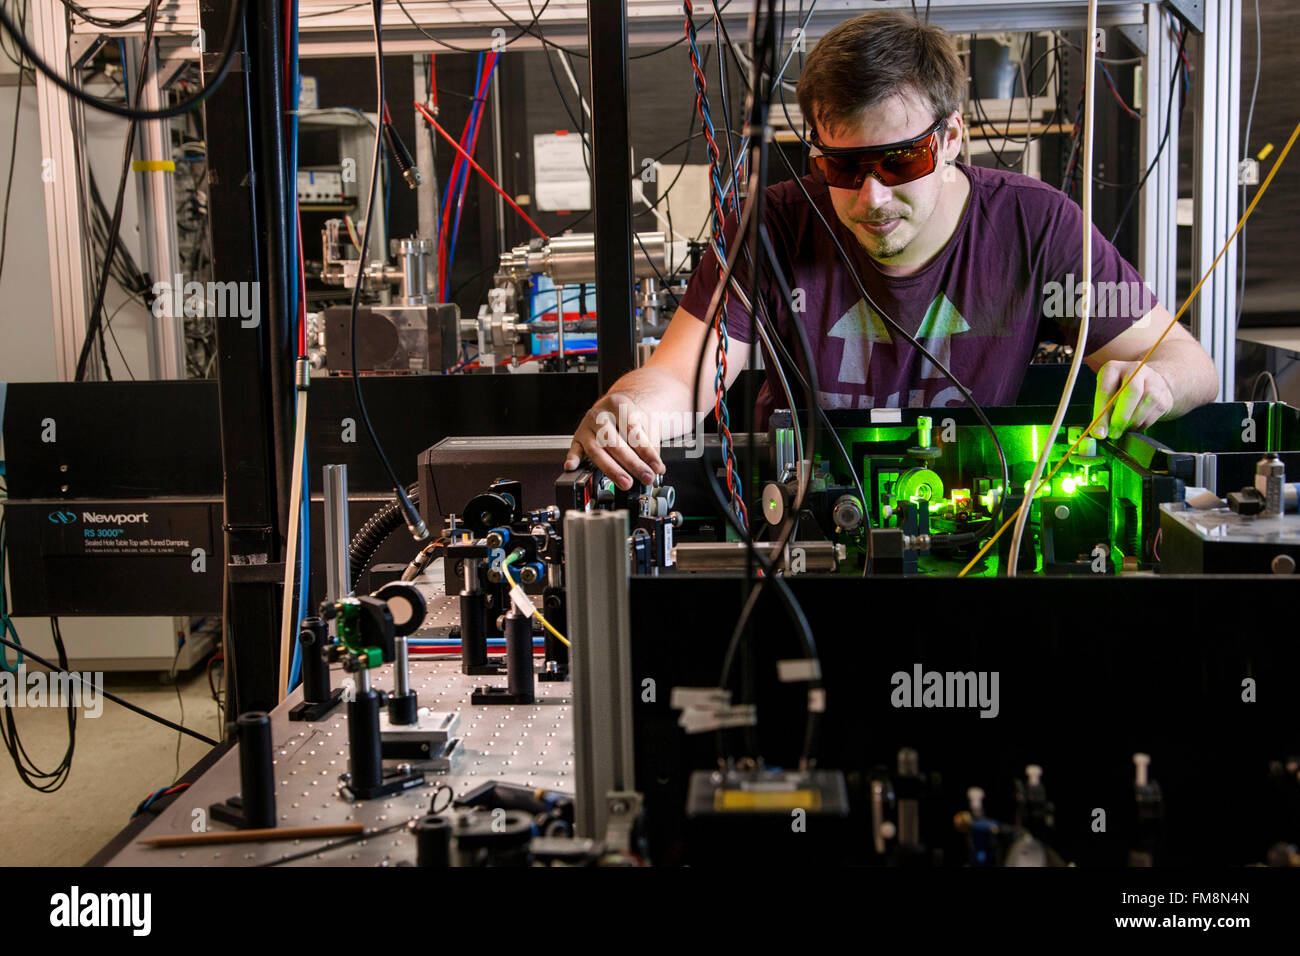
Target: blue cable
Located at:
point(295, 666)
point(463, 183)
point(147, 801)
point(462, 177)
point(304, 573)
point(537, 315)
point(121, 52)
point(451, 188)
point(720, 249)
point(294, 82)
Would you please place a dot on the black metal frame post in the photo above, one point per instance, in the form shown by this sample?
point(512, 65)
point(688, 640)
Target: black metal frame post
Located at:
point(611, 163)
point(253, 364)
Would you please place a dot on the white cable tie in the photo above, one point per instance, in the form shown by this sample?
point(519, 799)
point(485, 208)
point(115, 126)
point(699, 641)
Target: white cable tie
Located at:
point(702, 698)
point(799, 669)
point(522, 601)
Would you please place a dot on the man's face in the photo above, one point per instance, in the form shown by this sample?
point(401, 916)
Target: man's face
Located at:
point(885, 220)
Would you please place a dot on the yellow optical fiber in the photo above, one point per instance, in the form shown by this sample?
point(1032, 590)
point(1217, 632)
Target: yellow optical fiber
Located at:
point(505, 569)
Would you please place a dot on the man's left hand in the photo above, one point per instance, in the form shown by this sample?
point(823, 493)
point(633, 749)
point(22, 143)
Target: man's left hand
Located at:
point(1142, 403)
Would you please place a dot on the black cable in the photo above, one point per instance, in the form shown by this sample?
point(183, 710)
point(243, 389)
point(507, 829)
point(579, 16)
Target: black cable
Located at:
point(662, 49)
point(413, 519)
point(578, 122)
point(98, 21)
point(377, 528)
point(93, 325)
point(983, 117)
point(667, 286)
point(223, 68)
point(1169, 116)
point(15, 56)
point(31, 775)
point(1030, 138)
point(106, 694)
point(460, 49)
point(726, 106)
point(9, 186)
point(180, 702)
point(1130, 61)
point(534, 27)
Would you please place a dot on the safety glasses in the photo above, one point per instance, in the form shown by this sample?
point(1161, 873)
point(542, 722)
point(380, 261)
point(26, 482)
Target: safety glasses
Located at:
point(893, 165)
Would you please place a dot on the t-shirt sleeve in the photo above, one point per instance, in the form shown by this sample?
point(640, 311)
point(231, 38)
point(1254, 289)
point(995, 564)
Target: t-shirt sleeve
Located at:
point(1120, 296)
point(700, 288)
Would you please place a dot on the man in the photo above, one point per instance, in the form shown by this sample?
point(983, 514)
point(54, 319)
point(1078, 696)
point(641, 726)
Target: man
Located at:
point(971, 262)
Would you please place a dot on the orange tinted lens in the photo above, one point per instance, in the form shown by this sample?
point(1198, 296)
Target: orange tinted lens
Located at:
point(842, 172)
point(904, 165)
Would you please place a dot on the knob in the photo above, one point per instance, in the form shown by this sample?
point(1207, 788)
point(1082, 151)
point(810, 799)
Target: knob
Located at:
point(847, 513)
point(1141, 762)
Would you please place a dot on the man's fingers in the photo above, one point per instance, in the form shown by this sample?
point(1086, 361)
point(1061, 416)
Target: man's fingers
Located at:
point(612, 455)
point(643, 436)
point(1148, 412)
point(602, 460)
point(621, 439)
point(1108, 379)
point(1125, 408)
point(574, 458)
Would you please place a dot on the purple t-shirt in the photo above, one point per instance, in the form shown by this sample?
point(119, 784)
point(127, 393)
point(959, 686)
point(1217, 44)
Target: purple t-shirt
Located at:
point(981, 307)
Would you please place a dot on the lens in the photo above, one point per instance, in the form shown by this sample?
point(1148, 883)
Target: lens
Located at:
point(842, 172)
point(904, 165)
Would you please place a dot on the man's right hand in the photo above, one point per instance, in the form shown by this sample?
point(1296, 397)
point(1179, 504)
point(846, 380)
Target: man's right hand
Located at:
point(620, 439)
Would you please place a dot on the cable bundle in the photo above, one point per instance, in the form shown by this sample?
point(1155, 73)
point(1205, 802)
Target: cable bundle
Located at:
point(720, 412)
point(458, 181)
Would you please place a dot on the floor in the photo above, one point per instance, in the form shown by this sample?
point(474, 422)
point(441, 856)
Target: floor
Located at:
point(120, 759)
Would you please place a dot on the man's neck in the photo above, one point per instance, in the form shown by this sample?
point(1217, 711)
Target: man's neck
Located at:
point(938, 231)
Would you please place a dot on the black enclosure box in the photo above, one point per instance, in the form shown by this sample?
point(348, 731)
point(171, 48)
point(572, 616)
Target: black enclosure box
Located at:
point(144, 556)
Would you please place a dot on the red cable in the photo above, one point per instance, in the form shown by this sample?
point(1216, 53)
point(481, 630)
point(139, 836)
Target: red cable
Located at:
point(442, 229)
point(457, 166)
point(490, 66)
point(479, 169)
point(1127, 109)
point(448, 650)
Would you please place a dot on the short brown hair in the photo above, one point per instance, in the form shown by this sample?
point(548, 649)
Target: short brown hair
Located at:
point(871, 57)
